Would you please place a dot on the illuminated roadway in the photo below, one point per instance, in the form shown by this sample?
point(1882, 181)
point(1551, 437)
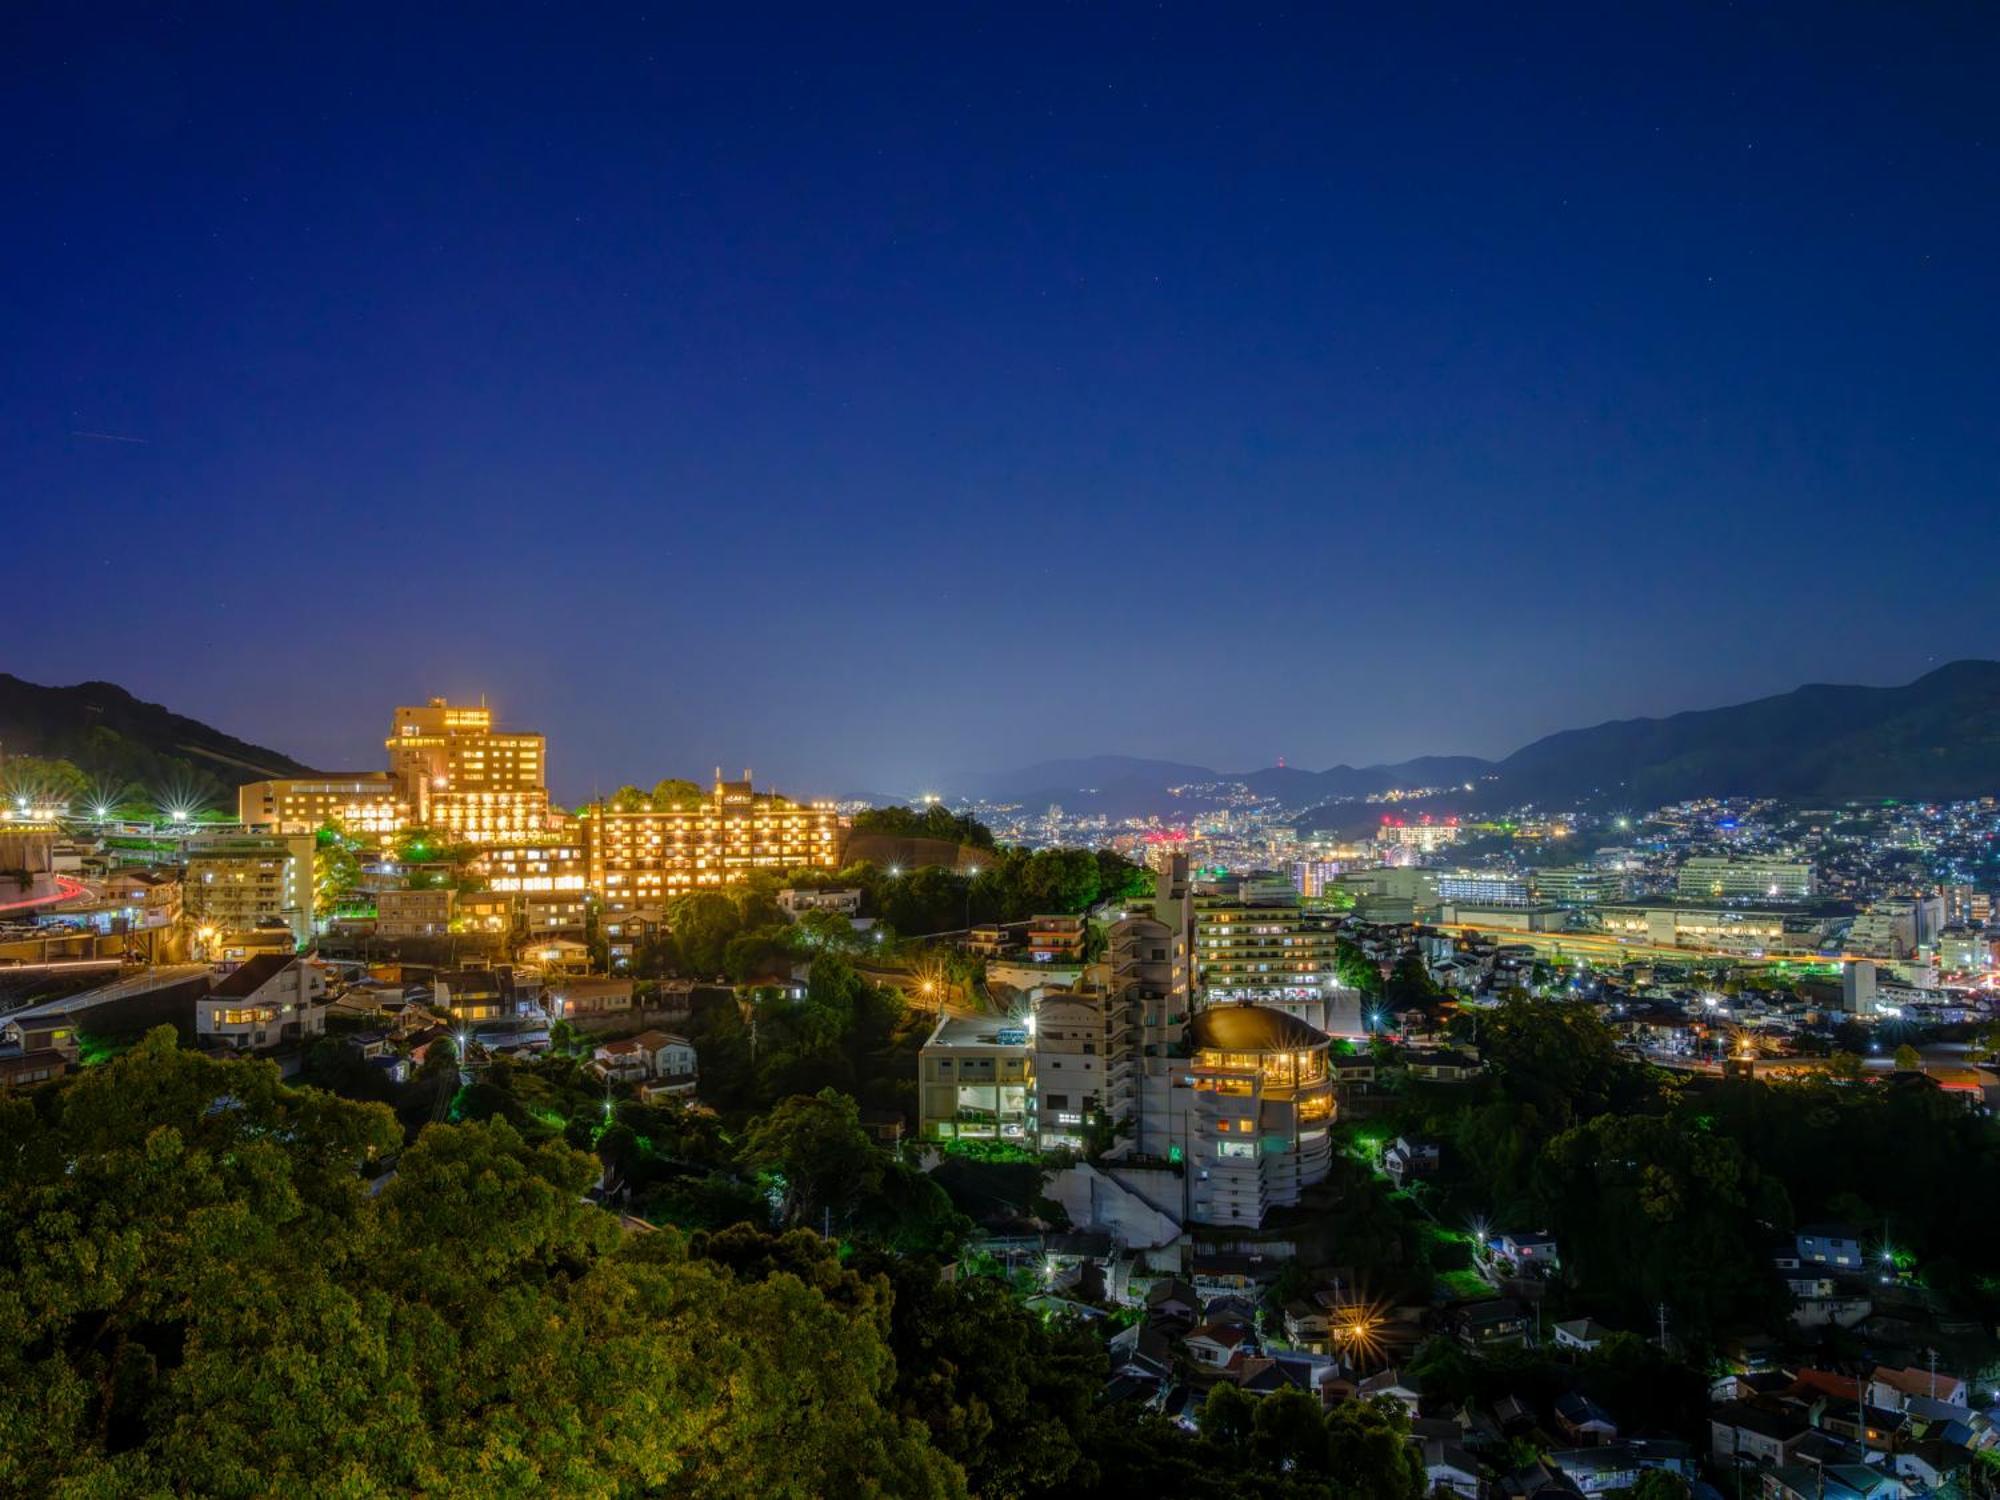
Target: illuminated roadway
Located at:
point(66, 890)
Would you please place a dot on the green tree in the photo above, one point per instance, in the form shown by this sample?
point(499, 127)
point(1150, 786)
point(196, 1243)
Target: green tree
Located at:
point(1908, 1059)
point(40, 782)
point(204, 1297)
point(815, 1146)
point(675, 793)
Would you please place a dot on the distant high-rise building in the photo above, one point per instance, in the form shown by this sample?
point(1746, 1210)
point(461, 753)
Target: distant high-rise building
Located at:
point(1577, 885)
point(1857, 987)
point(1483, 888)
point(470, 782)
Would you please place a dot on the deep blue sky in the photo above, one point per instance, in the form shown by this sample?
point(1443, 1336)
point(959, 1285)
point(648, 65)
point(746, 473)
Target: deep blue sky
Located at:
point(860, 395)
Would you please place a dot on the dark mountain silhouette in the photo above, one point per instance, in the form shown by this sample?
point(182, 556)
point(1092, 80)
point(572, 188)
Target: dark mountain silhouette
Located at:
point(1935, 739)
point(112, 734)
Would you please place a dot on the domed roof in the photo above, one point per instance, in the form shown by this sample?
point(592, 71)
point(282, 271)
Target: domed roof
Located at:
point(1252, 1028)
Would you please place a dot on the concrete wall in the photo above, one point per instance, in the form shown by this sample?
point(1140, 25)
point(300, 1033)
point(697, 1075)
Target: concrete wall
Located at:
point(1094, 1201)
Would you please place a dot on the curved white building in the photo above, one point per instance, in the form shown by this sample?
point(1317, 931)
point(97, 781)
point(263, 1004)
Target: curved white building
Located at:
point(1255, 1112)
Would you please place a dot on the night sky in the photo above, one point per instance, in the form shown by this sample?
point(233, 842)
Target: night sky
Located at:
point(864, 395)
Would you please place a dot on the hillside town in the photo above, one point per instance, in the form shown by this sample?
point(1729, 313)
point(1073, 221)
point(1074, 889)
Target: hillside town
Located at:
point(1252, 1109)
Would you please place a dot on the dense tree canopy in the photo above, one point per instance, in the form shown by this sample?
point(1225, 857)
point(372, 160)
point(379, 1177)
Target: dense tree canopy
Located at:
point(204, 1296)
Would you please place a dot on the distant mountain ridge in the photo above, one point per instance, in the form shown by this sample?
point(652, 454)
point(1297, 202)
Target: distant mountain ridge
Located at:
point(1934, 739)
point(107, 731)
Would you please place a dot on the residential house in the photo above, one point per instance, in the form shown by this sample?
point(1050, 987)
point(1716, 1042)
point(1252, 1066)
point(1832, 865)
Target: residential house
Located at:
point(1215, 1347)
point(1442, 1066)
point(1739, 1432)
point(988, 941)
point(1525, 1249)
point(1617, 1466)
point(1309, 1325)
point(1393, 1385)
point(1582, 1420)
point(626, 932)
point(1830, 1245)
point(586, 999)
point(554, 913)
point(556, 955)
point(474, 994)
point(24, 1068)
point(1408, 1158)
point(1490, 1324)
point(1053, 939)
point(272, 1000)
point(1170, 1297)
point(1832, 1482)
point(1933, 1463)
point(1893, 1389)
point(1450, 1468)
point(1580, 1334)
point(658, 1058)
point(796, 901)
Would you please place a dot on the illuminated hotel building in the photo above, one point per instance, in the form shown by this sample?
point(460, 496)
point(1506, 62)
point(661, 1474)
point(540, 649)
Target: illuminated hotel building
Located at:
point(524, 868)
point(641, 858)
point(471, 783)
point(366, 803)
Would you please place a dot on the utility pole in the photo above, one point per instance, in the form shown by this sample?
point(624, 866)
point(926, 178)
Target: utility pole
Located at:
point(1663, 1328)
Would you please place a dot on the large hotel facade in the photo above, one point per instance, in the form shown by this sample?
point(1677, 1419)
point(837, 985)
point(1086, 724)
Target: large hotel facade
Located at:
point(452, 772)
point(449, 770)
point(462, 777)
point(643, 857)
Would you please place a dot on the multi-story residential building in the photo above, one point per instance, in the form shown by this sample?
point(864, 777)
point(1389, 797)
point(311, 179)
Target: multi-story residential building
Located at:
point(975, 1081)
point(548, 913)
point(519, 868)
point(1262, 950)
point(472, 783)
point(484, 913)
point(144, 900)
point(364, 804)
point(988, 941)
point(1256, 1116)
point(235, 882)
point(641, 858)
point(1055, 939)
point(1151, 974)
point(1731, 877)
point(1084, 1065)
point(626, 932)
point(414, 914)
point(1887, 929)
point(266, 1001)
point(1967, 950)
